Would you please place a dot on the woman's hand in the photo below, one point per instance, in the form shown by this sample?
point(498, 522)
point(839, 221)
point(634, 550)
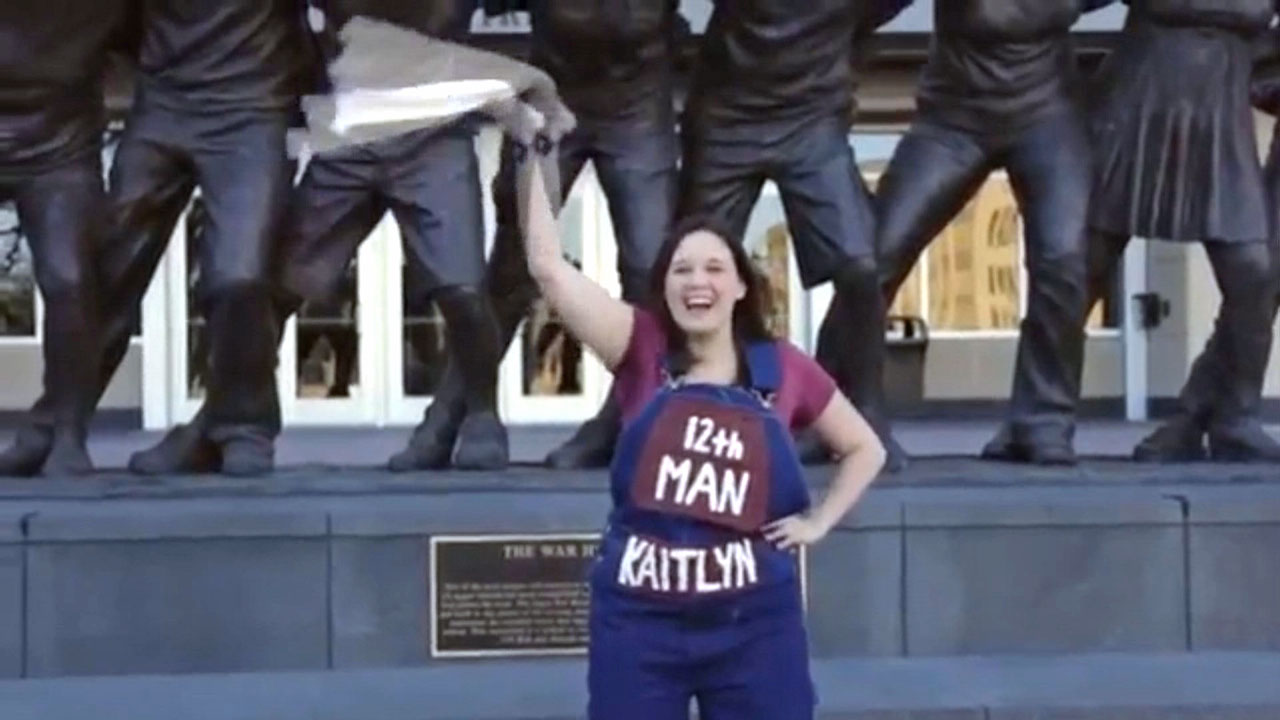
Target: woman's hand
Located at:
point(796, 530)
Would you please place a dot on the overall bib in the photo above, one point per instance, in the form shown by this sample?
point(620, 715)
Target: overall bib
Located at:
point(688, 599)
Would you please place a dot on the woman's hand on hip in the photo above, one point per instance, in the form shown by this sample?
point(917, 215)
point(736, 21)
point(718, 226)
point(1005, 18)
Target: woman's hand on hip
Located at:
point(795, 530)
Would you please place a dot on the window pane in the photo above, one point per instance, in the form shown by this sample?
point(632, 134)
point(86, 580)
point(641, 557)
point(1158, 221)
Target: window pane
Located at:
point(551, 358)
point(328, 343)
point(17, 278)
point(197, 337)
point(425, 354)
point(768, 242)
point(974, 278)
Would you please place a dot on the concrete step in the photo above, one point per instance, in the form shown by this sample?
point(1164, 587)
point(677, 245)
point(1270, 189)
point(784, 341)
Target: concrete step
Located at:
point(1193, 686)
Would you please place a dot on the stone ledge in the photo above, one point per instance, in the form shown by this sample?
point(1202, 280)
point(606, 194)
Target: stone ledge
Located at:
point(489, 512)
point(1233, 510)
point(11, 526)
point(873, 512)
point(1207, 686)
point(161, 521)
point(1021, 510)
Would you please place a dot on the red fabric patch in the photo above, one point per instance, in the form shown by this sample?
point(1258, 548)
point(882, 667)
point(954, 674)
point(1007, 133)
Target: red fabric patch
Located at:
point(705, 460)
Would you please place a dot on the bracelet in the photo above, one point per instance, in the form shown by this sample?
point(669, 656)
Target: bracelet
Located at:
point(519, 152)
point(543, 145)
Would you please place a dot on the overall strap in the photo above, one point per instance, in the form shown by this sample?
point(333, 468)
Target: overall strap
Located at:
point(764, 369)
point(763, 365)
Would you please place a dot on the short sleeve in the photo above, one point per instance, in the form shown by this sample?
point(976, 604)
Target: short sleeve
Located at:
point(634, 374)
point(808, 386)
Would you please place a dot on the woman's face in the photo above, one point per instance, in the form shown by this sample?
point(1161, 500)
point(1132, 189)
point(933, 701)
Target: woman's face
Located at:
point(702, 284)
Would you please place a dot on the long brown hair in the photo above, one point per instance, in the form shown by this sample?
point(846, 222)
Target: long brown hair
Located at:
point(750, 314)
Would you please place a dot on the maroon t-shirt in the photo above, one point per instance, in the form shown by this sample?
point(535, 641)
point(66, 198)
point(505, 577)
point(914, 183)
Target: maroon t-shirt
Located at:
point(806, 387)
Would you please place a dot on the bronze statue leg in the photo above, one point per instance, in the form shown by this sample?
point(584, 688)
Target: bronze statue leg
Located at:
point(721, 177)
point(435, 196)
point(62, 211)
point(1049, 168)
point(1181, 437)
point(637, 170)
point(150, 185)
point(510, 291)
point(830, 216)
point(1246, 278)
point(332, 210)
point(934, 171)
point(245, 179)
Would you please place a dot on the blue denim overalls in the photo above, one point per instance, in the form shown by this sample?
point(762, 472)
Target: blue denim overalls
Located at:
point(687, 598)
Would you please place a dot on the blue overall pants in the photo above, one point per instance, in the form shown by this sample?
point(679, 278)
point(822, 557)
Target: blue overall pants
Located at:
point(689, 602)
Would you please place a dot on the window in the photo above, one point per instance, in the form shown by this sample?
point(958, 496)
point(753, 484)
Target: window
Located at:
point(110, 142)
point(771, 254)
point(552, 358)
point(17, 279)
point(768, 243)
point(971, 277)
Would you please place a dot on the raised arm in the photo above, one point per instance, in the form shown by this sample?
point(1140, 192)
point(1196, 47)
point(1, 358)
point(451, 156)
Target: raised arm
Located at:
point(600, 321)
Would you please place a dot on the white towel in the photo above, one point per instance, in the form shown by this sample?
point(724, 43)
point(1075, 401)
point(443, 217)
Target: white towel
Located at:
point(390, 80)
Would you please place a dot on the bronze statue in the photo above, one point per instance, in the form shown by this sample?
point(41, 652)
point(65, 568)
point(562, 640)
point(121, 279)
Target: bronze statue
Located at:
point(1000, 90)
point(626, 128)
point(1177, 160)
point(53, 58)
point(429, 180)
point(772, 99)
point(1181, 437)
point(217, 89)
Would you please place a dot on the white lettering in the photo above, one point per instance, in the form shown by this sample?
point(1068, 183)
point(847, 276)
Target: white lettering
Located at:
point(648, 571)
point(702, 435)
point(701, 445)
point(666, 572)
point(682, 570)
point(704, 484)
point(721, 442)
point(682, 557)
point(721, 494)
point(745, 564)
point(724, 558)
point(668, 470)
point(733, 492)
point(627, 566)
point(690, 428)
point(704, 584)
point(736, 450)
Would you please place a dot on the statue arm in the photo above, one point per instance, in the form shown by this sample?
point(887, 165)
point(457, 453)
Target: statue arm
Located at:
point(600, 321)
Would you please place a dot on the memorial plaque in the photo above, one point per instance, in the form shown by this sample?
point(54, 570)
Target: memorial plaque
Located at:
point(508, 595)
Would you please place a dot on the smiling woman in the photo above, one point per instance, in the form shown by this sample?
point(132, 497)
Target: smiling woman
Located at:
point(709, 498)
